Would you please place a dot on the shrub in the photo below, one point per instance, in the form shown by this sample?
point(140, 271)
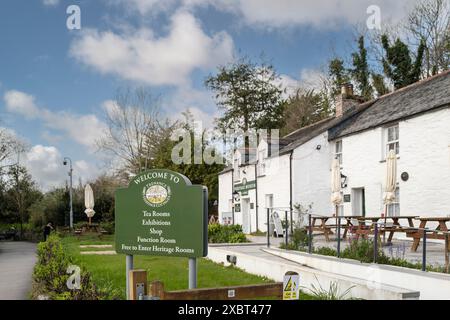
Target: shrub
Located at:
point(108, 226)
point(325, 251)
point(299, 240)
point(50, 275)
point(218, 233)
point(362, 250)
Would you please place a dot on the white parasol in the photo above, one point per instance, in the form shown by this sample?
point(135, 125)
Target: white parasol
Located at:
point(89, 202)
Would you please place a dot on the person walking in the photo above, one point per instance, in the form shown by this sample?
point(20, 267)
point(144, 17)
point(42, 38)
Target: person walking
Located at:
point(47, 230)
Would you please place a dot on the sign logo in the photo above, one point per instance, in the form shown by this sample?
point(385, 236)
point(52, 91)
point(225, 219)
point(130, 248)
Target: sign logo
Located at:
point(156, 194)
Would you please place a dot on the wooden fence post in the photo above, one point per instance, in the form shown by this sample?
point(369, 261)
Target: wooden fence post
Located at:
point(138, 284)
point(157, 290)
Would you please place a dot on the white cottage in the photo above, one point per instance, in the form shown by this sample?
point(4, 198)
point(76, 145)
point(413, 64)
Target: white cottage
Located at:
point(414, 121)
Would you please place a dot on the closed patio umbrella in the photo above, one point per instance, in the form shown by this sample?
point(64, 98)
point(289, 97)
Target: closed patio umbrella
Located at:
point(336, 195)
point(89, 202)
point(390, 185)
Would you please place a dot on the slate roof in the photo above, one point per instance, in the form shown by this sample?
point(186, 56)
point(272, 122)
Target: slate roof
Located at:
point(420, 97)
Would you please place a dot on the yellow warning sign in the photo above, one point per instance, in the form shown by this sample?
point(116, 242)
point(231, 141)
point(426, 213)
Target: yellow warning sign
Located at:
point(291, 286)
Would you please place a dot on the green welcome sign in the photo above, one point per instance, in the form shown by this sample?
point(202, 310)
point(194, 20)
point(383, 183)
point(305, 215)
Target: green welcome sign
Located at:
point(244, 187)
point(161, 213)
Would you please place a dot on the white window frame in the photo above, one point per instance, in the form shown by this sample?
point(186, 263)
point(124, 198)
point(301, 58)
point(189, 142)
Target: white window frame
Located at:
point(339, 153)
point(394, 142)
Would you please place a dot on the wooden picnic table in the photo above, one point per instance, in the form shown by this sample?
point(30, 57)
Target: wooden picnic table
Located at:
point(441, 227)
point(394, 226)
point(322, 226)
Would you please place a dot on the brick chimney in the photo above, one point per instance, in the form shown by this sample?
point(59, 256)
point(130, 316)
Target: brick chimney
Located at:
point(346, 100)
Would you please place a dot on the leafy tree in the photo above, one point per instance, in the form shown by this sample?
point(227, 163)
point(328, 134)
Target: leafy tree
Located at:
point(398, 64)
point(305, 108)
point(360, 72)
point(203, 174)
point(339, 76)
point(53, 206)
point(379, 85)
point(249, 96)
point(20, 192)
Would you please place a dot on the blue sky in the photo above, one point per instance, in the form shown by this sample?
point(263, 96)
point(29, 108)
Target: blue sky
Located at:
point(55, 82)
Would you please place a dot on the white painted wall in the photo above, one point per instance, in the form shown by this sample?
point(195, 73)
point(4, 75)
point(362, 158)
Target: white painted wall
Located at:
point(312, 175)
point(424, 154)
point(225, 193)
point(276, 183)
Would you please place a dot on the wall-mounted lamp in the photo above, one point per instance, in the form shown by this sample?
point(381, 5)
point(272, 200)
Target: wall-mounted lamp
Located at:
point(344, 181)
point(236, 196)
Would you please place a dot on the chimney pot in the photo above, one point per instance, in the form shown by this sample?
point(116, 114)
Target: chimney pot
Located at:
point(346, 100)
point(347, 90)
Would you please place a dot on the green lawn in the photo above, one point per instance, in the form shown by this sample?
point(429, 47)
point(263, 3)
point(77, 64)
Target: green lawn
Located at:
point(109, 271)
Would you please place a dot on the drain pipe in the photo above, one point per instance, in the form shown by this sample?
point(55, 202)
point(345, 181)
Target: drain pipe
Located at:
point(290, 185)
point(256, 195)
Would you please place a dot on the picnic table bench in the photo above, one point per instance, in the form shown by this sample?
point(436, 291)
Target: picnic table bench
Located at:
point(437, 234)
point(392, 225)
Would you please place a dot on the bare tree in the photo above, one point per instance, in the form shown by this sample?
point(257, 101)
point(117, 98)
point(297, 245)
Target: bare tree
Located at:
point(10, 147)
point(134, 124)
point(430, 21)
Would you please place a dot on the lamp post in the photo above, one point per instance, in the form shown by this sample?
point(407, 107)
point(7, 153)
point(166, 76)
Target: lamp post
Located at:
point(235, 199)
point(66, 161)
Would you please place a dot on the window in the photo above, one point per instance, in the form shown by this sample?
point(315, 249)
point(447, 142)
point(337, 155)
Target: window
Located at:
point(338, 151)
point(393, 209)
point(262, 162)
point(393, 140)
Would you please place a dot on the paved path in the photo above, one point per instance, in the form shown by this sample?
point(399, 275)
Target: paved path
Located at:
point(17, 261)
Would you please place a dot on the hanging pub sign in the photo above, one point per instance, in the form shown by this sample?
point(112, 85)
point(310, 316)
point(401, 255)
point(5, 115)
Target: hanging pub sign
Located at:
point(162, 214)
point(244, 187)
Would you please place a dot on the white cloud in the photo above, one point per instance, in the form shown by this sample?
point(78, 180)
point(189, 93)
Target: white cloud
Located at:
point(45, 164)
point(289, 84)
point(145, 6)
point(317, 13)
point(144, 57)
point(50, 3)
point(21, 103)
point(312, 79)
point(84, 129)
point(321, 14)
point(199, 102)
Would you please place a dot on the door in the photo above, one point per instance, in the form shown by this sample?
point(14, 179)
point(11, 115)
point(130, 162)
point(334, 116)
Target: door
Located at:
point(269, 205)
point(359, 202)
point(246, 227)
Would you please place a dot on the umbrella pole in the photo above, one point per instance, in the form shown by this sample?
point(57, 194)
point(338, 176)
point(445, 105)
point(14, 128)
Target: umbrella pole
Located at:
point(338, 231)
point(385, 220)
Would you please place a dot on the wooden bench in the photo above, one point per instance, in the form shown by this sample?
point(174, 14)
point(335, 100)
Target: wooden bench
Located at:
point(102, 233)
